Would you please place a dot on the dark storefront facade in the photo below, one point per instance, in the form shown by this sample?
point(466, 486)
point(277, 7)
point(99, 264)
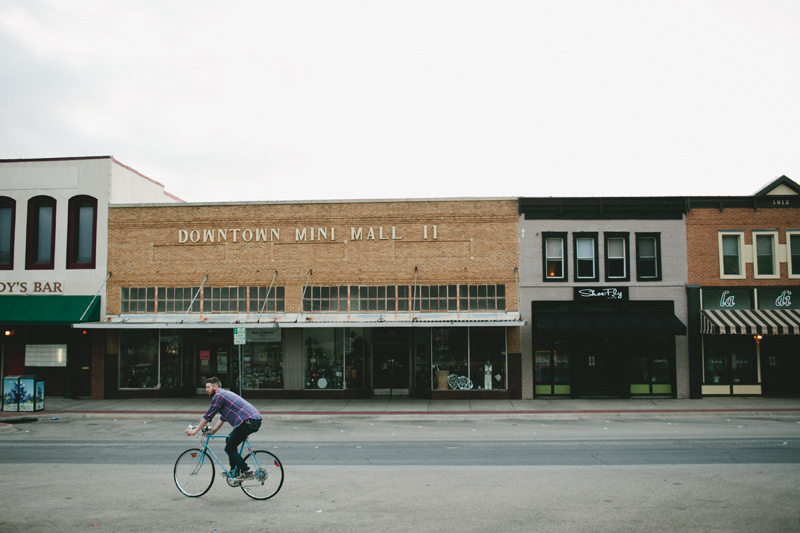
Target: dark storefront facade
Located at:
point(750, 341)
point(604, 281)
point(607, 347)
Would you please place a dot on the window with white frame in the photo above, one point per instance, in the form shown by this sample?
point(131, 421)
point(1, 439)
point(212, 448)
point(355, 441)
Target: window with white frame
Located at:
point(585, 256)
point(765, 257)
point(617, 264)
point(554, 253)
point(731, 258)
point(793, 252)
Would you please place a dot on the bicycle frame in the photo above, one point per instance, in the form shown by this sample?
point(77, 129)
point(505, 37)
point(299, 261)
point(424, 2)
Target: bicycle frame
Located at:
point(206, 448)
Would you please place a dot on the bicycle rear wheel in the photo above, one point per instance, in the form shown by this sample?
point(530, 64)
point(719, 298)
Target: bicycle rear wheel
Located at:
point(268, 478)
point(194, 472)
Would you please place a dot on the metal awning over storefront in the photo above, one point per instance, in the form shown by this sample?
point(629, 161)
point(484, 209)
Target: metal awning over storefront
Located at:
point(750, 322)
point(602, 321)
point(51, 309)
point(311, 320)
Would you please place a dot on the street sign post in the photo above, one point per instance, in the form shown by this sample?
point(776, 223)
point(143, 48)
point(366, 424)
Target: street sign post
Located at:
point(239, 338)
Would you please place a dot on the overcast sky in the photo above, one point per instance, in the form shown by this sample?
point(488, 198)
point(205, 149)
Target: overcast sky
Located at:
point(304, 100)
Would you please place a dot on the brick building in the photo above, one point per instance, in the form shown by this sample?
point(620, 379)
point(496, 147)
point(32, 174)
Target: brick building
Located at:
point(744, 303)
point(333, 298)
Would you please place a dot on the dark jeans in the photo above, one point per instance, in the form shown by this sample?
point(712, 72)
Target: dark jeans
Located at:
point(237, 436)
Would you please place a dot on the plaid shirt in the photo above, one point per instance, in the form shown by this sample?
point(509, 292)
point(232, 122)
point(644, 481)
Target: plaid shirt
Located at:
point(232, 408)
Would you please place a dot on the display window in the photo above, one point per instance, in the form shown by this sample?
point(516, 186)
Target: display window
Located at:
point(730, 360)
point(152, 359)
point(138, 359)
point(334, 358)
point(461, 358)
point(173, 373)
point(650, 366)
point(551, 368)
point(262, 365)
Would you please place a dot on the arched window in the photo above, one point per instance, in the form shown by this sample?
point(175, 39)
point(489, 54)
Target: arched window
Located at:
point(8, 212)
point(82, 232)
point(41, 231)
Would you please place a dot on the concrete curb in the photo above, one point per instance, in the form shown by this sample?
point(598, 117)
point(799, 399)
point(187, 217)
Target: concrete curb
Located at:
point(435, 415)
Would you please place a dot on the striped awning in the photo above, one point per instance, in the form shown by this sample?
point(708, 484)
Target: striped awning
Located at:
point(750, 322)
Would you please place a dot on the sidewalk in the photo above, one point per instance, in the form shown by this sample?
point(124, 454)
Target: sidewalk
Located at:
point(412, 408)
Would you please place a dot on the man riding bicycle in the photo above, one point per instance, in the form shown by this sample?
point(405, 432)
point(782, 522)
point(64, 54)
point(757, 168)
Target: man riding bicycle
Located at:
point(239, 413)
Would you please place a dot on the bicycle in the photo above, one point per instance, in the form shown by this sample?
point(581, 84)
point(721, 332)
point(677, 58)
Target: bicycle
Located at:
point(194, 470)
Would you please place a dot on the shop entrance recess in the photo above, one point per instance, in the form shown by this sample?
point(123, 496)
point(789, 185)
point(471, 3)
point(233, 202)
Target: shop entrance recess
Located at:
point(780, 366)
point(391, 361)
point(595, 361)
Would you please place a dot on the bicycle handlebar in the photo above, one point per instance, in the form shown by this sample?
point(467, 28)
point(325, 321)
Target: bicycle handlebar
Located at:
point(204, 431)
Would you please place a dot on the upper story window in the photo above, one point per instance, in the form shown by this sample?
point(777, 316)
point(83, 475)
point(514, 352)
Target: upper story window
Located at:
point(765, 264)
point(793, 240)
point(554, 254)
point(209, 300)
point(391, 298)
point(7, 219)
point(82, 232)
point(41, 230)
point(731, 259)
point(648, 256)
point(585, 247)
point(617, 262)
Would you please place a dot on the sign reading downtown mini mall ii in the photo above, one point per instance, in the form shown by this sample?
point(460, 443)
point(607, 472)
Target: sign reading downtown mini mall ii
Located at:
point(308, 234)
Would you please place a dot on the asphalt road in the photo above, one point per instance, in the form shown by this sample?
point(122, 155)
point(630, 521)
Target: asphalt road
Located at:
point(699, 474)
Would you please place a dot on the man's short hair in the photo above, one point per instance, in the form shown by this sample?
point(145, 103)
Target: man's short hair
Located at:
point(214, 381)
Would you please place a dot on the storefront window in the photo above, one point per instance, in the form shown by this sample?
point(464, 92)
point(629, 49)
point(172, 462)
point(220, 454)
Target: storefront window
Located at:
point(551, 369)
point(138, 359)
point(461, 358)
point(487, 354)
point(450, 358)
point(262, 359)
point(730, 360)
point(422, 358)
point(171, 352)
point(355, 353)
point(334, 358)
point(542, 367)
point(561, 363)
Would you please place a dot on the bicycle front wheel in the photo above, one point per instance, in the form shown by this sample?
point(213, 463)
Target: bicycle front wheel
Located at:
point(194, 472)
point(268, 477)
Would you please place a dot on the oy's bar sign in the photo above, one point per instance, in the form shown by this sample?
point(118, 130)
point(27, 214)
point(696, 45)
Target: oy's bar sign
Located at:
point(600, 293)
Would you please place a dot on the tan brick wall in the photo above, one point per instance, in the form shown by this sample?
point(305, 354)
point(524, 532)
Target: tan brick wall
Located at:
point(477, 242)
point(702, 227)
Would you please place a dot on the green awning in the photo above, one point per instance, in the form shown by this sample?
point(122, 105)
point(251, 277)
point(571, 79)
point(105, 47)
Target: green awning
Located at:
point(17, 309)
point(597, 322)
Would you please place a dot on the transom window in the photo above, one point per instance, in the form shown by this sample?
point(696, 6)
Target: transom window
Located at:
point(391, 298)
point(209, 300)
